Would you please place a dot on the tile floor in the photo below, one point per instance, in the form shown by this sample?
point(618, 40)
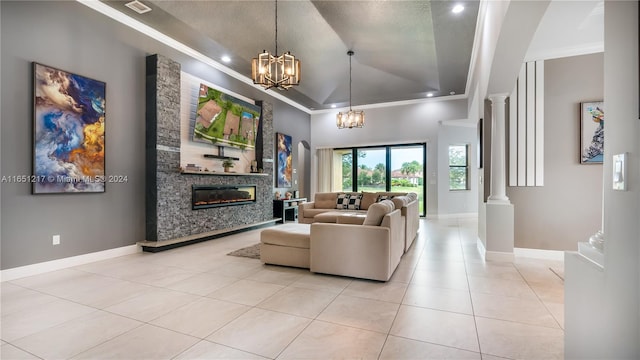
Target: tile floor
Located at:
point(195, 302)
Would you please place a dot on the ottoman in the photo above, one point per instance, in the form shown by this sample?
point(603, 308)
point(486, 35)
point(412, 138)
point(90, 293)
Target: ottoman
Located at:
point(286, 245)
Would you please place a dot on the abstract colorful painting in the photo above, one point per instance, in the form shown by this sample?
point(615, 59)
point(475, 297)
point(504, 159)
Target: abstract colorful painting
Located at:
point(224, 120)
point(591, 132)
point(284, 167)
point(69, 126)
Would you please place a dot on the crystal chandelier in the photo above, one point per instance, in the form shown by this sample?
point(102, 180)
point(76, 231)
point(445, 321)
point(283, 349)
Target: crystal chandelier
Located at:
point(275, 71)
point(351, 118)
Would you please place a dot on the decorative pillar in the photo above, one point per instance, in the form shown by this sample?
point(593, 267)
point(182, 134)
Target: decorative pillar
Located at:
point(498, 189)
point(499, 212)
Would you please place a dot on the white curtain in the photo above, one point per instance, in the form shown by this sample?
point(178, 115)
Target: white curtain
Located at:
point(325, 157)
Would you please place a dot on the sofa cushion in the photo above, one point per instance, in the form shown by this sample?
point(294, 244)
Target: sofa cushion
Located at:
point(377, 211)
point(332, 216)
point(342, 201)
point(368, 198)
point(293, 235)
point(325, 200)
point(354, 201)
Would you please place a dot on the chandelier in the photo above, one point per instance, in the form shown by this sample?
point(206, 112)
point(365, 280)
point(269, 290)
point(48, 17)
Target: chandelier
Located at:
point(275, 71)
point(351, 118)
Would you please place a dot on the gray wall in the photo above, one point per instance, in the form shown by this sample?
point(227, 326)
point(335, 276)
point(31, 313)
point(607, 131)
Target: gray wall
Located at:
point(72, 37)
point(568, 208)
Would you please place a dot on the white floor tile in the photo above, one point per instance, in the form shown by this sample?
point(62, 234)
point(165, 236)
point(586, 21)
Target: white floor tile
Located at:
point(75, 336)
point(206, 350)
point(361, 313)
point(261, 332)
point(201, 317)
point(437, 327)
point(44, 316)
point(519, 341)
point(298, 301)
point(396, 348)
point(331, 341)
point(145, 342)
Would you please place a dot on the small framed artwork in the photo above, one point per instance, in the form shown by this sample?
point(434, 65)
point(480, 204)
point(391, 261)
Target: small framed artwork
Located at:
point(620, 172)
point(591, 132)
point(284, 158)
point(68, 132)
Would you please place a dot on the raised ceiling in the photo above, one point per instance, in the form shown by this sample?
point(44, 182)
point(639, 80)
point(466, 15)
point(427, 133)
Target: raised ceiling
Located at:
point(403, 49)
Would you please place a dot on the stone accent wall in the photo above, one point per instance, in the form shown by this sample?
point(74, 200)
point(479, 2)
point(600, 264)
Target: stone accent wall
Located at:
point(168, 199)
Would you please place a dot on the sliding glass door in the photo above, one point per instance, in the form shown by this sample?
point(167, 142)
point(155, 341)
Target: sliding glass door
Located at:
point(398, 168)
point(372, 169)
point(408, 167)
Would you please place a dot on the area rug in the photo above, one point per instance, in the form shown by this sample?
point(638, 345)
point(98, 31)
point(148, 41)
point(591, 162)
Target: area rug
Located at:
point(252, 252)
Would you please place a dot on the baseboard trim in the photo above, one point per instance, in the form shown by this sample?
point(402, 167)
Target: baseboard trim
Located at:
point(539, 254)
point(493, 255)
point(43, 267)
point(499, 256)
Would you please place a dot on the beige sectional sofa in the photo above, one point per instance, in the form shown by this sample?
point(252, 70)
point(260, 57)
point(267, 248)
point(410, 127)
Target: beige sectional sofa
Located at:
point(331, 207)
point(370, 251)
point(368, 247)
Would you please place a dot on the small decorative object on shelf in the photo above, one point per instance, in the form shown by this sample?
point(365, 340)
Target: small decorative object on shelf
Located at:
point(277, 195)
point(227, 164)
point(287, 195)
point(193, 167)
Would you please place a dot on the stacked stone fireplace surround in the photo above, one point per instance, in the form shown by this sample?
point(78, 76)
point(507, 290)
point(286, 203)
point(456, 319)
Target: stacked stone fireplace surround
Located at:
point(169, 214)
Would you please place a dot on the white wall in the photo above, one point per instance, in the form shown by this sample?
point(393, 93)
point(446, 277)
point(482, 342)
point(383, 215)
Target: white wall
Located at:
point(602, 306)
point(459, 201)
point(390, 125)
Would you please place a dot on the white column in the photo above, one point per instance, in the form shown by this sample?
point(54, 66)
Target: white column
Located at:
point(498, 189)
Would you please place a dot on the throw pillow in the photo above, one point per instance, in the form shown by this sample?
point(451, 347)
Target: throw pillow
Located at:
point(342, 201)
point(384, 197)
point(377, 211)
point(354, 201)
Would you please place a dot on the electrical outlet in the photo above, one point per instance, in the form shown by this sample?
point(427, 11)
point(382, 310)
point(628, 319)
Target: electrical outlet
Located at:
point(56, 239)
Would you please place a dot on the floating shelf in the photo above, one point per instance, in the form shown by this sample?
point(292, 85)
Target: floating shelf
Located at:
point(220, 173)
point(221, 157)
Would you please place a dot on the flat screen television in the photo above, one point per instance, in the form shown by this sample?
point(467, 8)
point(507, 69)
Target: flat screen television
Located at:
point(223, 120)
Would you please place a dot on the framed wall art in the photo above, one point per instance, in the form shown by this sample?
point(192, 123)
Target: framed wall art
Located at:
point(68, 132)
point(284, 158)
point(591, 132)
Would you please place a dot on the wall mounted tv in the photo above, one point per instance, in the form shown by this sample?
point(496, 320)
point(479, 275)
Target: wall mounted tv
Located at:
point(223, 120)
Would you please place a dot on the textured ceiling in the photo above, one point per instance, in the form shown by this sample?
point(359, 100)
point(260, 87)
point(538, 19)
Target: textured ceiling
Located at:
point(403, 49)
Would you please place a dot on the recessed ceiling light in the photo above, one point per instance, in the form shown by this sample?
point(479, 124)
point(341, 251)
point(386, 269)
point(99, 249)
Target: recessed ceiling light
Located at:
point(429, 94)
point(138, 7)
point(333, 106)
point(226, 58)
point(457, 9)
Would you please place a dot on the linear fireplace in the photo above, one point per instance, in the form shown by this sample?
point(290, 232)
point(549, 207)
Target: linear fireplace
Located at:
point(208, 196)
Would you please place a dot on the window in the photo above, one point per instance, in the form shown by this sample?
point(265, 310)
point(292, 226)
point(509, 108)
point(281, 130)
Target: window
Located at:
point(397, 168)
point(459, 167)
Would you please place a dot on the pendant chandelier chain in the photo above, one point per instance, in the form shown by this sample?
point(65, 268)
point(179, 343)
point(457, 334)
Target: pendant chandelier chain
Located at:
point(276, 53)
point(350, 56)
